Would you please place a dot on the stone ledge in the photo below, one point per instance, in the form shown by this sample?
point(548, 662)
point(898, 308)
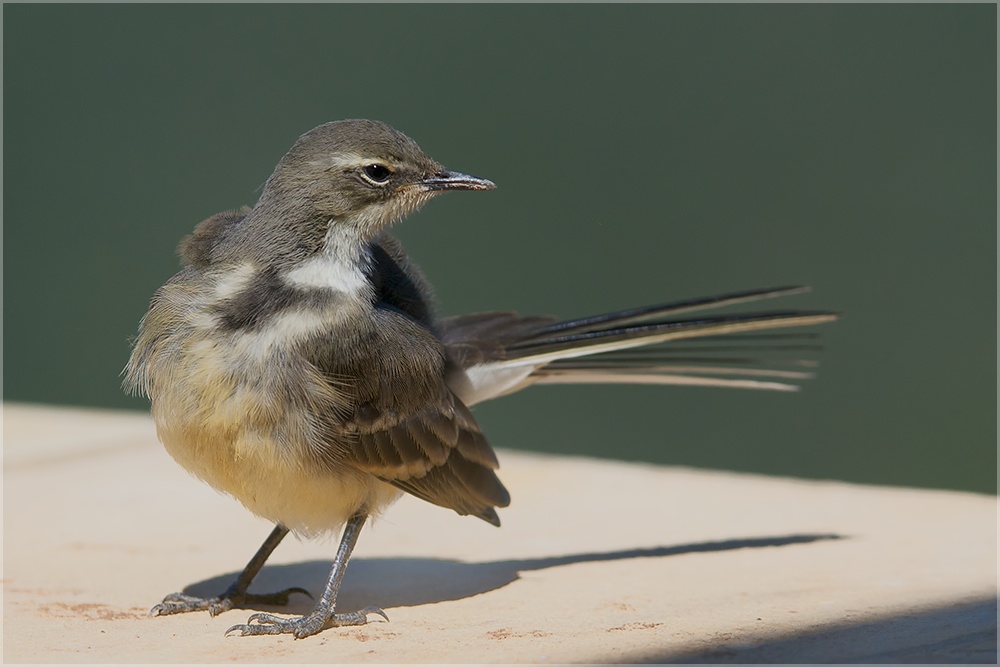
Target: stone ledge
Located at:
point(597, 561)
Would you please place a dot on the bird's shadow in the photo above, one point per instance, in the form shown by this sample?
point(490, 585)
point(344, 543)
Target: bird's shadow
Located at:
point(409, 582)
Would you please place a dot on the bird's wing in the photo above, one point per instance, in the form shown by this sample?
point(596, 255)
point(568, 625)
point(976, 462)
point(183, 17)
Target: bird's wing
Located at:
point(401, 422)
point(438, 454)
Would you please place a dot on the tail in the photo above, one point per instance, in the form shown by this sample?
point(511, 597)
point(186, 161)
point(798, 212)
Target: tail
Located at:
point(498, 353)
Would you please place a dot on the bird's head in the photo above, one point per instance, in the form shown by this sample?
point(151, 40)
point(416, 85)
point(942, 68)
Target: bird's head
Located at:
point(337, 188)
point(362, 173)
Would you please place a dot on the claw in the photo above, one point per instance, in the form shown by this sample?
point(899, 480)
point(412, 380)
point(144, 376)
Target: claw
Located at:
point(239, 627)
point(303, 626)
point(374, 610)
point(178, 603)
point(246, 630)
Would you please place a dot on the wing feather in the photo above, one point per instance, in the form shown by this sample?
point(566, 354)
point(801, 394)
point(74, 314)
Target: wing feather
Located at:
point(439, 455)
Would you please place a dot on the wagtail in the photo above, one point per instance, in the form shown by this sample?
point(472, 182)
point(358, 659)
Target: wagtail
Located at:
point(296, 364)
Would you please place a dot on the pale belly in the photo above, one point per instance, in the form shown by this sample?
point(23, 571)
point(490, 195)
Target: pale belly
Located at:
point(241, 410)
point(275, 485)
point(246, 416)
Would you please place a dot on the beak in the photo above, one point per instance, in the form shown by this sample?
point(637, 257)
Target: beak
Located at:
point(452, 180)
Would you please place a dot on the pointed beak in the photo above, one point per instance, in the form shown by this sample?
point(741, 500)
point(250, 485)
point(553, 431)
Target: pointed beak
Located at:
point(453, 180)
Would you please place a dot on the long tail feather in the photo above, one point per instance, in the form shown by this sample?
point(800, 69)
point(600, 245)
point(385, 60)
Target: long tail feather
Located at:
point(502, 352)
point(540, 349)
point(572, 377)
point(634, 315)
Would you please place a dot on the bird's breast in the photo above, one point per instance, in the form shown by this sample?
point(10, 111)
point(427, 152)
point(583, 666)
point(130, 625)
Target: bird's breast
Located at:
point(237, 403)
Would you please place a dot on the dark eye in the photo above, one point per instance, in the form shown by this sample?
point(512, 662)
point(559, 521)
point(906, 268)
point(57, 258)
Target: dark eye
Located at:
point(377, 173)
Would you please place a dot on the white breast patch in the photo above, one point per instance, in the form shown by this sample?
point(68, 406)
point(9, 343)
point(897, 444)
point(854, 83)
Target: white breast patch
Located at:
point(339, 266)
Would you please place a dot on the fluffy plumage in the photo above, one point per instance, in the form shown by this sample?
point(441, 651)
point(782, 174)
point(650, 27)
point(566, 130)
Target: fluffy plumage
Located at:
point(295, 363)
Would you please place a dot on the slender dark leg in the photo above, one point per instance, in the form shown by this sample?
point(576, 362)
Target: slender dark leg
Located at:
point(236, 594)
point(323, 614)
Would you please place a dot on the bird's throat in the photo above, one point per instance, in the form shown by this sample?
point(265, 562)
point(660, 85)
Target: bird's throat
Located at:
point(340, 265)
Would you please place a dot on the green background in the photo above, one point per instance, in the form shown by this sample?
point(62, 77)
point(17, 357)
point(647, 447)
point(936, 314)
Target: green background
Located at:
point(643, 153)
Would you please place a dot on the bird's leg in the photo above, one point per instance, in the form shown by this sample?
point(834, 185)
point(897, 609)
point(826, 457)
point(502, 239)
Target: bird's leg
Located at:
point(324, 613)
point(236, 594)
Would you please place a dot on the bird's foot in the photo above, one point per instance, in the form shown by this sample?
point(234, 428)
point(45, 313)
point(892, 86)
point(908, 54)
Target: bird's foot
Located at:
point(178, 603)
point(303, 626)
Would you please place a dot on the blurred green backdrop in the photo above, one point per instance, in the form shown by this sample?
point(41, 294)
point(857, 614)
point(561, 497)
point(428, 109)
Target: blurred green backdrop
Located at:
point(643, 153)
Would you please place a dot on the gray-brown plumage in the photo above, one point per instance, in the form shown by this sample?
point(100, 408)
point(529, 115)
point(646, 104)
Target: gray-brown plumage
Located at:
point(295, 362)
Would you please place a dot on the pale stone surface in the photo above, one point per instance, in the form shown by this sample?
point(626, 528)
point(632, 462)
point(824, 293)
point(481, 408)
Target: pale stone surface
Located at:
point(597, 561)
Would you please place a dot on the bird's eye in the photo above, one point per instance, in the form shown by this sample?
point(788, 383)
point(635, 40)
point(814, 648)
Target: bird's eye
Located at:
point(377, 174)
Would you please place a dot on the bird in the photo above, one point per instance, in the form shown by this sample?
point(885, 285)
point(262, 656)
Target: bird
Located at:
point(295, 361)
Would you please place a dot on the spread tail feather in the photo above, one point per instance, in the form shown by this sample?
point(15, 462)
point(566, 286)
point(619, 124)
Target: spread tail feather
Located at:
point(634, 346)
point(571, 343)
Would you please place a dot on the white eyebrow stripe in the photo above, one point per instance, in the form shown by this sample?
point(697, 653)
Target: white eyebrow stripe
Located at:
point(353, 161)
